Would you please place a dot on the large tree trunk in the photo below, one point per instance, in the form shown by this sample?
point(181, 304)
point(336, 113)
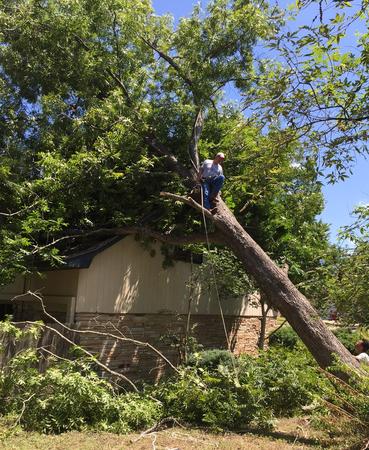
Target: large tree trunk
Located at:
point(280, 291)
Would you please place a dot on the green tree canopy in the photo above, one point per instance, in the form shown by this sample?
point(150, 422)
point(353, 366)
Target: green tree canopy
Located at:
point(90, 88)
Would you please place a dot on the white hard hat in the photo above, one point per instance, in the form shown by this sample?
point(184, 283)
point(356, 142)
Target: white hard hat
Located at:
point(221, 155)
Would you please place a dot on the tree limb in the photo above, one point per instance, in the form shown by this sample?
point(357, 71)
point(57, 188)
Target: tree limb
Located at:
point(19, 418)
point(16, 213)
point(194, 238)
point(170, 61)
point(123, 87)
point(275, 330)
point(196, 134)
point(188, 201)
point(162, 150)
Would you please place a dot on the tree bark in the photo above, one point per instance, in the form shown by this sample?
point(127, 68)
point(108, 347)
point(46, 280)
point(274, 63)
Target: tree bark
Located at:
point(263, 321)
point(281, 292)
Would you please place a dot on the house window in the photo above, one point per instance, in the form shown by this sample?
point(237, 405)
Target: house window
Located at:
point(6, 309)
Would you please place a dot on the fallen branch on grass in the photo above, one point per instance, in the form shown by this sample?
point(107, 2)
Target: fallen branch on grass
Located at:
point(157, 427)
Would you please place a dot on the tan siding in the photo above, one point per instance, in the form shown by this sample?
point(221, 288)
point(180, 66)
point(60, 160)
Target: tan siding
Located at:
point(126, 279)
point(54, 283)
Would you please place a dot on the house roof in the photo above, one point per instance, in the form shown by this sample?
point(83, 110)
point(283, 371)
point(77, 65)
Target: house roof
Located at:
point(81, 257)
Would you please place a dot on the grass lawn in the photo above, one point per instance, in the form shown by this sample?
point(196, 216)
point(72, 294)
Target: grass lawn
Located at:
point(290, 434)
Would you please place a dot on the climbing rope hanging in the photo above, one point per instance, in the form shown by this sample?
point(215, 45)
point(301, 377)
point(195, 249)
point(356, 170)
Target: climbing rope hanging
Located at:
point(213, 273)
point(217, 291)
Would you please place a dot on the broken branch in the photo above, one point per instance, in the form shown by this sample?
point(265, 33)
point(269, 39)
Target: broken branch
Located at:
point(194, 238)
point(188, 201)
point(164, 151)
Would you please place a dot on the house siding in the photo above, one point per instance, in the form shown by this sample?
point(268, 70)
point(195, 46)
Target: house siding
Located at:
point(126, 278)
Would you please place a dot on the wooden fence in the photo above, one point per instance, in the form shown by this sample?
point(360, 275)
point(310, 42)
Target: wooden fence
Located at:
point(48, 340)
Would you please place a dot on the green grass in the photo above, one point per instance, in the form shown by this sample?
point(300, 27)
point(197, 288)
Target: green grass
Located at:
point(290, 434)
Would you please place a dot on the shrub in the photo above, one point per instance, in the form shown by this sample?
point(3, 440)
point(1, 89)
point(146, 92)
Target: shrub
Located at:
point(348, 337)
point(286, 380)
point(285, 337)
point(289, 379)
point(279, 382)
point(69, 396)
point(211, 359)
point(213, 400)
point(288, 338)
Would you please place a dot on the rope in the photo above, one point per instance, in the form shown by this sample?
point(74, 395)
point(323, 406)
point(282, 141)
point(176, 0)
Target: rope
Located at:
point(217, 292)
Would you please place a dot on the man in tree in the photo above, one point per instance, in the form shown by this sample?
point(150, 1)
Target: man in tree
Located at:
point(212, 178)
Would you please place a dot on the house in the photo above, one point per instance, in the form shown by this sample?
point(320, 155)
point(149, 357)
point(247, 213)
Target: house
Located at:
point(118, 284)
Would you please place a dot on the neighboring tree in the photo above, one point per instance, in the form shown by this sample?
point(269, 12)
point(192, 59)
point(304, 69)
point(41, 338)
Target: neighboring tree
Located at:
point(349, 284)
point(316, 93)
point(117, 107)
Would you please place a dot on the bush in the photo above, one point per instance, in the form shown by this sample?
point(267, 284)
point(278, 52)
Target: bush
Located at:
point(213, 400)
point(285, 337)
point(348, 337)
point(211, 359)
point(69, 396)
point(285, 380)
point(288, 338)
point(289, 379)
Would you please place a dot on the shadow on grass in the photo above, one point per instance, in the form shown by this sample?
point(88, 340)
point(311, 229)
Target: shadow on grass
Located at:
point(288, 437)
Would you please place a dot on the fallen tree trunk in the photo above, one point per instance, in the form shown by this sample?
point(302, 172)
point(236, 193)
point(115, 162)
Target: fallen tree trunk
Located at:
point(281, 292)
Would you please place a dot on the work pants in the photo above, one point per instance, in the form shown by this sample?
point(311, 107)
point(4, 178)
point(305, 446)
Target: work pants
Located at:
point(211, 187)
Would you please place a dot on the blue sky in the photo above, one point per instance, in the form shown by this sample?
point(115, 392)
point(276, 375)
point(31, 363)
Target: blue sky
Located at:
point(340, 198)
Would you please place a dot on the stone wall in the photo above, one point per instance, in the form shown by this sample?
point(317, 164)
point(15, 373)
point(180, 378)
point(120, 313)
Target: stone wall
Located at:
point(167, 333)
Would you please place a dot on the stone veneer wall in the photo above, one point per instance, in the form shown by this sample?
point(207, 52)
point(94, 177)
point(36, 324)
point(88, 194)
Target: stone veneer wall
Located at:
point(161, 330)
